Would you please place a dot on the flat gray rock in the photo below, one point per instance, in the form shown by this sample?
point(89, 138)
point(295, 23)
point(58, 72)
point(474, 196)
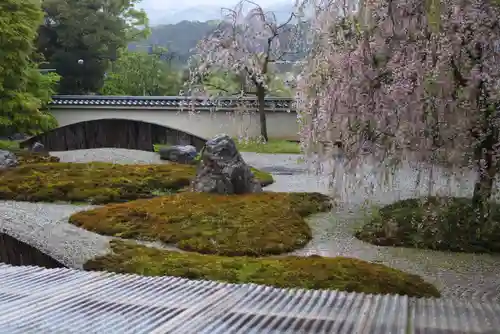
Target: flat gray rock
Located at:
point(184, 154)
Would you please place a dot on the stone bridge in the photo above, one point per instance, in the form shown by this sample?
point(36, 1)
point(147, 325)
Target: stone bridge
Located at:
point(139, 122)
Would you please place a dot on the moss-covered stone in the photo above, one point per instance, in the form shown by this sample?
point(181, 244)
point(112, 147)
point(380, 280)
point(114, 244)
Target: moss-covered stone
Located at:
point(439, 223)
point(96, 183)
point(252, 224)
point(285, 272)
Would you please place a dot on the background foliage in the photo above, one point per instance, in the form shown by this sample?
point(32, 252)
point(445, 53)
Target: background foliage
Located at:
point(91, 30)
point(23, 89)
point(140, 73)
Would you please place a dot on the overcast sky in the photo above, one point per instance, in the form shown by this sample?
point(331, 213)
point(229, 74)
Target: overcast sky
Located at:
point(174, 11)
point(176, 4)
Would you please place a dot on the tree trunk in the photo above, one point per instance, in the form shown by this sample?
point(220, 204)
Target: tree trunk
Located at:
point(483, 187)
point(483, 190)
point(261, 97)
point(486, 176)
point(487, 168)
point(483, 154)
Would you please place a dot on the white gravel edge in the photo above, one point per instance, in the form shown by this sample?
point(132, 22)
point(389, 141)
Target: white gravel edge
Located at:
point(45, 227)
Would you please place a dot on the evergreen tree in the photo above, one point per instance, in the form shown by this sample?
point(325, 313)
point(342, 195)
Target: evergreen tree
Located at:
point(80, 38)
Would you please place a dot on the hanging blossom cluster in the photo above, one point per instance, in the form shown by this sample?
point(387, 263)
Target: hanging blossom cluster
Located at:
point(403, 77)
point(246, 43)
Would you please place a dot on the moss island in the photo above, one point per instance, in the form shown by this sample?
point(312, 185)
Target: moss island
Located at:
point(251, 224)
point(230, 238)
point(96, 183)
point(25, 157)
point(314, 272)
point(438, 223)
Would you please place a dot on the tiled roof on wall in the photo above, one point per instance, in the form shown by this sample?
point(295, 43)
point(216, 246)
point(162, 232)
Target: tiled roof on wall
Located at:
point(166, 101)
point(37, 300)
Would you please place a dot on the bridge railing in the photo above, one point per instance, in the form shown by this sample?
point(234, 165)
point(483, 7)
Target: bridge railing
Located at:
point(276, 103)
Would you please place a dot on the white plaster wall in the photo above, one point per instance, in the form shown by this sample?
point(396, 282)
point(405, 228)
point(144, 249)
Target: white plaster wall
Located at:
point(204, 123)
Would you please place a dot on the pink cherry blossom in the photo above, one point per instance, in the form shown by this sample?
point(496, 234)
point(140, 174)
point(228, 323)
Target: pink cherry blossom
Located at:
point(247, 42)
point(424, 75)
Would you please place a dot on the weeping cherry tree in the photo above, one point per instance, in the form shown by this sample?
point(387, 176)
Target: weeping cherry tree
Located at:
point(247, 43)
point(419, 80)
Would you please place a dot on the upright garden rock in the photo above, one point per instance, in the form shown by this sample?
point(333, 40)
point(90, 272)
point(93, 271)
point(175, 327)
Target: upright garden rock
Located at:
point(184, 154)
point(223, 170)
point(7, 159)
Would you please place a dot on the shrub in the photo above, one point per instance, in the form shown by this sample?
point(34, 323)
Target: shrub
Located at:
point(440, 223)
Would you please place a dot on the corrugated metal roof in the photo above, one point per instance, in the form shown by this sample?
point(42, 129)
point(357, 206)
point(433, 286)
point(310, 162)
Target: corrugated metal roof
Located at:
point(167, 101)
point(36, 300)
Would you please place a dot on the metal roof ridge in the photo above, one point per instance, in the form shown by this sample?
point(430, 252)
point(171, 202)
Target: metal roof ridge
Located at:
point(64, 300)
point(271, 103)
point(173, 98)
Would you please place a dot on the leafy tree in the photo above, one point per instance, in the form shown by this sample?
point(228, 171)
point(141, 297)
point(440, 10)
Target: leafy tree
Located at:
point(23, 89)
point(140, 73)
point(424, 78)
point(89, 30)
point(247, 45)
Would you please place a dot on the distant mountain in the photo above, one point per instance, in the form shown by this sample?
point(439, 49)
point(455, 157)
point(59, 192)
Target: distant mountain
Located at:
point(178, 38)
point(181, 38)
point(200, 13)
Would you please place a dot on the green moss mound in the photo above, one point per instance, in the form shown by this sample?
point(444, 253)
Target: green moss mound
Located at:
point(26, 157)
point(438, 223)
point(96, 183)
point(251, 224)
point(264, 178)
point(286, 272)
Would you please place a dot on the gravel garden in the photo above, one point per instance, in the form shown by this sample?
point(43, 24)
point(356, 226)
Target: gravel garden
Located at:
point(131, 212)
point(155, 224)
